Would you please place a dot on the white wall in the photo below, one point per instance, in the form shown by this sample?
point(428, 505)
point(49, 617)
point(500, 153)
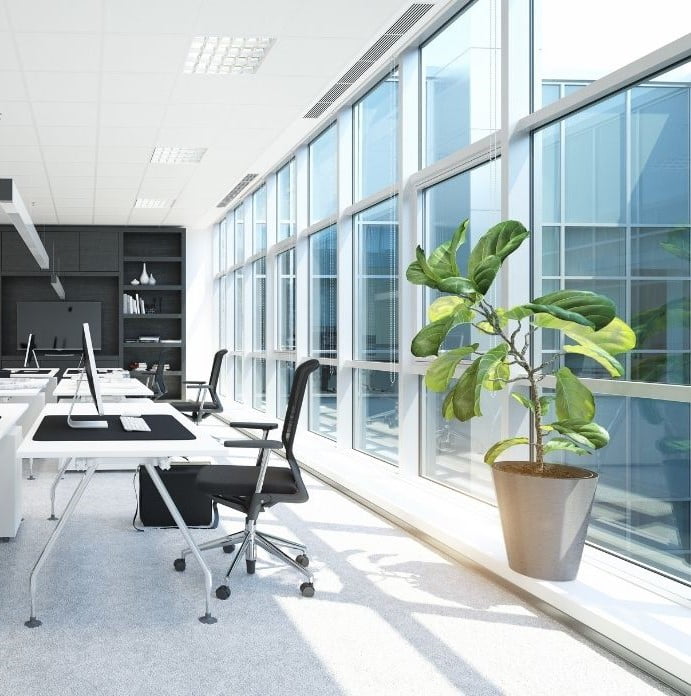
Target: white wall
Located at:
point(199, 289)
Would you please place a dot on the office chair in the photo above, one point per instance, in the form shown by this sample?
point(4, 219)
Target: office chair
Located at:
point(200, 408)
point(252, 489)
point(159, 384)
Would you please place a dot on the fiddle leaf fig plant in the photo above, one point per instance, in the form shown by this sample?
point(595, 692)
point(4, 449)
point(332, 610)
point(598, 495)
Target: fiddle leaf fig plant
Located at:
point(563, 420)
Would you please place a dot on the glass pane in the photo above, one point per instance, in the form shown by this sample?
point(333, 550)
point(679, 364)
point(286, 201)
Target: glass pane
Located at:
point(239, 306)
point(259, 220)
point(285, 199)
point(376, 134)
point(285, 371)
point(376, 231)
point(460, 71)
point(550, 152)
point(551, 251)
point(237, 378)
point(286, 300)
point(259, 384)
point(595, 251)
point(560, 28)
point(222, 238)
point(230, 246)
point(375, 424)
point(259, 325)
point(323, 293)
point(228, 332)
point(322, 402)
point(323, 175)
point(239, 217)
point(657, 251)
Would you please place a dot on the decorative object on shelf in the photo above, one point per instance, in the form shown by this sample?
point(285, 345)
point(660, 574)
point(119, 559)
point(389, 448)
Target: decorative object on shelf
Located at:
point(152, 280)
point(544, 507)
point(144, 277)
point(134, 281)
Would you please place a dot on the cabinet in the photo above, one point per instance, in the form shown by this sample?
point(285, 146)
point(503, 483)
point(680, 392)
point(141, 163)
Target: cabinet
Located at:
point(98, 250)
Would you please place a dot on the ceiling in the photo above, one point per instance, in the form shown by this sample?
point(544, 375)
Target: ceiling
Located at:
point(89, 87)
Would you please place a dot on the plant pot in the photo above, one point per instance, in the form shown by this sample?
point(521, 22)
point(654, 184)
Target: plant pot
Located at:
point(544, 517)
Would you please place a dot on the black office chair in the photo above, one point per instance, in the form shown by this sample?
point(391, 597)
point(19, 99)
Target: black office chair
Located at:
point(201, 408)
point(159, 383)
point(252, 489)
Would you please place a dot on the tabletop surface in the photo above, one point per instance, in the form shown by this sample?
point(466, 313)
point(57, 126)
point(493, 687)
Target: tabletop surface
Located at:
point(114, 387)
point(35, 372)
point(9, 415)
point(15, 386)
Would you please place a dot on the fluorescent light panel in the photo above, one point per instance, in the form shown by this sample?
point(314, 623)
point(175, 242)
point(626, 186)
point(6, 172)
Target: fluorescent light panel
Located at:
point(153, 203)
point(11, 202)
point(226, 55)
point(177, 155)
point(57, 286)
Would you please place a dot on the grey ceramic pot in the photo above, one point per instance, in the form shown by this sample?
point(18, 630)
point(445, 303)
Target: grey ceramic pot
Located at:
point(544, 520)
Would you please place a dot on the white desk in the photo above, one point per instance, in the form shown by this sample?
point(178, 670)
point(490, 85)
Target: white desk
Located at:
point(10, 469)
point(93, 452)
point(109, 388)
point(16, 386)
point(72, 372)
point(35, 372)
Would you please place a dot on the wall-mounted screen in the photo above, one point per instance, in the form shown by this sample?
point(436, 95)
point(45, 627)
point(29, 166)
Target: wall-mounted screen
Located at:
point(58, 325)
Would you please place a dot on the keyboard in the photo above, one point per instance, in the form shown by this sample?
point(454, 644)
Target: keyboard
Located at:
point(134, 424)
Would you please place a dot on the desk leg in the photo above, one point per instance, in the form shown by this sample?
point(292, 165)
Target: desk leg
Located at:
point(172, 508)
point(31, 476)
point(63, 464)
point(33, 622)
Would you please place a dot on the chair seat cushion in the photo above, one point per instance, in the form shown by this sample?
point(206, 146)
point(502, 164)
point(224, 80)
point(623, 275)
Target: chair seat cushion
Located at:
point(228, 481)
point(192, 405)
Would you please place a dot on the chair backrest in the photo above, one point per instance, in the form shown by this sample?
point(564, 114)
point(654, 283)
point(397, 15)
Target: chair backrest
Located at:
point(297, 394)
point(216, 370)
point(159, 382)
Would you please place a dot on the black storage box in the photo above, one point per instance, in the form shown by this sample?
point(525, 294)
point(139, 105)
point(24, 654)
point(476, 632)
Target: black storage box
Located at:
point(196, 508)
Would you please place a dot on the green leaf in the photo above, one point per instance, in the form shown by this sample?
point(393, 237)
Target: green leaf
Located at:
point(498, 447)
point(420, 257)
point(485, 272)
point(415, 275)
point(443, 259)
point(583, 433)
point(572, 306)
point(617, 337)
point(443, 307)
point(500, 240)
point(497, 376)
point(523, 400)
point(441, 371)
point(545, 403)
point(458, 285)
point(556, 311)
point(429, 339)
point(573, 399)
point(609, 362)
point(561, 443)
point(447, 406)
point(464, 403)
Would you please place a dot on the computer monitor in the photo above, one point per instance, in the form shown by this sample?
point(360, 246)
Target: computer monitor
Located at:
point(94, 386)
point(30, 351)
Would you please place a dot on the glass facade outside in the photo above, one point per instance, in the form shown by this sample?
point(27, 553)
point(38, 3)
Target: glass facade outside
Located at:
point(259, 220)
point(610, 211)
point(239, 219)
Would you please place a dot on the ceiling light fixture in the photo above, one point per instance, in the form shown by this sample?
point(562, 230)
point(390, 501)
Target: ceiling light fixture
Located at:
point(151, 203)
point(177, 155)
point(226, 55)
point(11, 202)
point(55, 280)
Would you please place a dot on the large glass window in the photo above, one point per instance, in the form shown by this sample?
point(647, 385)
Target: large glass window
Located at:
point(238, 393)
point(376, 413)
point(222, 238)
point(239, 218)
point(376, 137)
point(460, 72)
point(323, 293)
point(229, 241)
point(259, 220)
point(323, 175)
point(323, 414)
point(259, 384)
point(285, 371)
point(286, 195)
point(376, 238)
point(259, 324)
point(285, 263)
point(239, 307)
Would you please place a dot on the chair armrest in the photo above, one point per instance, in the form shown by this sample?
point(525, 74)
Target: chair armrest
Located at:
point(254, 444)
point(253, 426)
point(196, 384)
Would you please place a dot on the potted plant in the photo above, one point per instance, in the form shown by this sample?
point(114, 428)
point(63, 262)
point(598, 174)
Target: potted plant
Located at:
point(544, 507)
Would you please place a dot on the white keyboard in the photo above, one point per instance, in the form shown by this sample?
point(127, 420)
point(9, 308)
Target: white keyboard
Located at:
point(134, 424)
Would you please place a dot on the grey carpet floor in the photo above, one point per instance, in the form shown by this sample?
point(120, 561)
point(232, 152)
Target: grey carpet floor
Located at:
point(391, 616)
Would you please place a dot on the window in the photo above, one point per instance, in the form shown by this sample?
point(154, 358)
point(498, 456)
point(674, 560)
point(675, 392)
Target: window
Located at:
point(239, 218)
point(460, 73)
point(285, 372)
point(259, 220)
point(259, 384)
point(323, 293)
point(238, 313)
point(238, 393)
point(230, 247)
point(376, 413)
point(323, 413)
point(259, 287)
point(323, 175)
point(376, 231)
point(286, 201)
point(222, 238)
point(376, 136)
point(285, 263)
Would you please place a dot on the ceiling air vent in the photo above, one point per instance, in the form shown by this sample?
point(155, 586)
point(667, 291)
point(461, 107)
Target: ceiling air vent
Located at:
point(413, 14)
point(243, 183)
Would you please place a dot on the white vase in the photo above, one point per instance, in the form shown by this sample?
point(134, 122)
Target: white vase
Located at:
point(152, 280)
point(144, 277)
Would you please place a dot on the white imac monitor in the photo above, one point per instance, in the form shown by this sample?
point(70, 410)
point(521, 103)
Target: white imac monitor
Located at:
point(94, 386)
point(30, 351)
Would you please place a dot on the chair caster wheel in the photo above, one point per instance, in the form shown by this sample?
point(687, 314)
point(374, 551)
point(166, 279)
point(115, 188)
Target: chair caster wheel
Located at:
point(250, 567)
point(307, 589)
point(223, 592)
point(179, 564)
point(228, 548)
point(302, 560)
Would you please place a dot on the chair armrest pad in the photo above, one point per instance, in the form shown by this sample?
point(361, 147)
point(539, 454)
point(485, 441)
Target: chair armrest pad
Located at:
point(196, 384)
point(253, 425)
point(255, 444)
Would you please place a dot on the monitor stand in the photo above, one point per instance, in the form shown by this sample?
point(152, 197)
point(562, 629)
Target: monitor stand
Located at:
point(101, 423)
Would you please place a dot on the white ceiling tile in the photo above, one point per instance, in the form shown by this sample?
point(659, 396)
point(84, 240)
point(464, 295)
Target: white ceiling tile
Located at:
point(12, 169)
point(131, 169)
point(46, 217)
point(75, 219)
point(55, 15)
point(25, 181)
point(120, 115)
point(66, 168)
point(152, 16)
point(62, 153)
point(126, 137)
point(118, 182)
point(246, 140)
point(115, 197)
point(132, 88)
point(18, 136)
point(15, 113)
point(201, 115)
point(8, 56)
point(266, 18)
point(310, 56)
point(187, 137)
point(66, 113)
point(161, 188)
point(73, 201)
point(81, 211)
point(16, 153)
point(179, 172)
point(59, 52)
point(145, 53)
point(60, 86)
point(127, 155)
point(67, 136)
point(114, 217)
point(12, 86)
point(72, 186)
point(141, 216)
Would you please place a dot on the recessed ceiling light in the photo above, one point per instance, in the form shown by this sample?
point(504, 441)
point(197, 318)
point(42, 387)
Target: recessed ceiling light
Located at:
point(176, 155)
point(153, 203)
point(226, 55)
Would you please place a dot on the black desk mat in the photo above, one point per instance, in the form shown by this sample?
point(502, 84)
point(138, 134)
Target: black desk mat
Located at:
point(31, 372)
point(163, 427)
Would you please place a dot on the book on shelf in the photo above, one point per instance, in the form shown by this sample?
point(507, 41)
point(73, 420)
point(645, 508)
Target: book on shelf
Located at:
point(133, 305)
point(149, 339)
